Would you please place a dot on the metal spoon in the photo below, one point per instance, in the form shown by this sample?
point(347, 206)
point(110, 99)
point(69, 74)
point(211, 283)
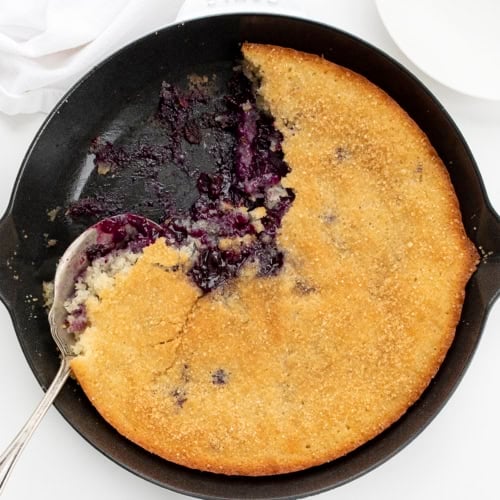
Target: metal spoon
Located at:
point(121, 231)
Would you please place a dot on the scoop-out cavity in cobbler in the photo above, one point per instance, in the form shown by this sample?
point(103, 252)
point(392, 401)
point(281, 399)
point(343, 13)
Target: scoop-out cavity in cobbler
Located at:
point(239, 208)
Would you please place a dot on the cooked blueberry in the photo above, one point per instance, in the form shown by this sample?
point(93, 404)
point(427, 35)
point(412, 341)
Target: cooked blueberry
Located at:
point(172, 107)
point(95, 251)
point(192, 133)
point(180, 396)
point(210, 185)
point(125, 231)
point(175, 231)
point(220, 377)
point(341, 154)
point(213, 268)
point(271, 261)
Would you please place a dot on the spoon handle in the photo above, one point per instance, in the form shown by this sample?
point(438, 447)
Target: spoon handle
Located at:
point(11, 454)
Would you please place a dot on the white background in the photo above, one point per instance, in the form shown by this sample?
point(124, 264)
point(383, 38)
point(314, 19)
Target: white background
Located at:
point(456, 457)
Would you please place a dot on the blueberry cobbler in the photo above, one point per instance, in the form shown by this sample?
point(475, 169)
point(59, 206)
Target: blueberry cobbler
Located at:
point(300, 302)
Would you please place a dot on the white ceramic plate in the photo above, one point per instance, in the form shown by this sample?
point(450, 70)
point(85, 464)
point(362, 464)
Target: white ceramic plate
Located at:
point(456, 42)
point(200, 8)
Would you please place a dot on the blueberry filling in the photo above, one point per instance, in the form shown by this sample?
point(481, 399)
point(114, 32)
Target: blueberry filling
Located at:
point(77, 321)
point(240, 204)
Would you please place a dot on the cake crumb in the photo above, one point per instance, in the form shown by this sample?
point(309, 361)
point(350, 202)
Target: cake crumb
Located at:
point(103, 168)
point(48, 293)
point(52, 214)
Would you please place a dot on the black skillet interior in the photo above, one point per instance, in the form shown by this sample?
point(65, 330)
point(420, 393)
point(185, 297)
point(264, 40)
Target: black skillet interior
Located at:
point(115, 101)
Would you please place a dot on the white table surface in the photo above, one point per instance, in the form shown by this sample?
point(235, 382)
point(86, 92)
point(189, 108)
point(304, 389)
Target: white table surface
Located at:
point(456, 457)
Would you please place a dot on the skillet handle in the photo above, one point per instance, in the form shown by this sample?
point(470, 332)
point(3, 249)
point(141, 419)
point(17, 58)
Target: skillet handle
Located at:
point(488, 279)
point(9, 240)
point(488, 272)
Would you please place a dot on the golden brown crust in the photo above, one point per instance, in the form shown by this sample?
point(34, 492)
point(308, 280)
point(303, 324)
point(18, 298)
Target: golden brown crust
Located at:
point(272, 375)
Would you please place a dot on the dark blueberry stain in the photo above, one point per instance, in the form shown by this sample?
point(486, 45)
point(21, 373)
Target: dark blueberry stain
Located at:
point(180, 396)
point(304, 288)
point(106, 154)
point(341, 154)
point(97, 250)
point(167, 269)
point(328, 218)
point(419, 170)
point(220, 377)
point(185, 374)
point(289, 124)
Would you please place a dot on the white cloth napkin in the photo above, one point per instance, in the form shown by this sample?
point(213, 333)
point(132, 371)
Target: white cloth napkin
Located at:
point(47, 45)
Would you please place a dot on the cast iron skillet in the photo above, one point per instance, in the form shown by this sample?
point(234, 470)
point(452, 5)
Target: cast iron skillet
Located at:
point(114, 100)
